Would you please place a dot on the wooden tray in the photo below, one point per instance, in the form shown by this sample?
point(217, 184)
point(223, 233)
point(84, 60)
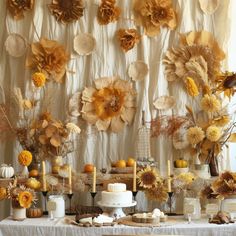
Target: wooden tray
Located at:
point(117, 170)
point(128, 221)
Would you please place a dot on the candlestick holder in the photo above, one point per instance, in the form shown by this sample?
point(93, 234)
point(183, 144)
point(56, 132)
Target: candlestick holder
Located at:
point(134, 198)
point(70, 212)
point(170, 213)
point(93, 195)
point(45, 212)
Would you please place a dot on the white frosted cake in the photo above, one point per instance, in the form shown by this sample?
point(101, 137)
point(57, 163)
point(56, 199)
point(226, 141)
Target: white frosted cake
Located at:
point(116, 194)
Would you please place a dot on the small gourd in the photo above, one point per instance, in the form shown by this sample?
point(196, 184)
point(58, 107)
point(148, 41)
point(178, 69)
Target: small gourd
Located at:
point(34, 212)
point(6, 171)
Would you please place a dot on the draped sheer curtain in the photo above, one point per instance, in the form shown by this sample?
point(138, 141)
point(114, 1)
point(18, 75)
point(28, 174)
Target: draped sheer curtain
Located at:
point(101, 148)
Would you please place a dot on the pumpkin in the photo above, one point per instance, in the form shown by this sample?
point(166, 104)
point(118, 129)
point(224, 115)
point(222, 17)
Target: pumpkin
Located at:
point(33, 183)
point(180, 163)
point(3, 193)
point(6, 171)
point(34, 212)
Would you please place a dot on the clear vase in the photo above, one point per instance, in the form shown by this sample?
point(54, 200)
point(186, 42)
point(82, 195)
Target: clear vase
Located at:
point(56, 163)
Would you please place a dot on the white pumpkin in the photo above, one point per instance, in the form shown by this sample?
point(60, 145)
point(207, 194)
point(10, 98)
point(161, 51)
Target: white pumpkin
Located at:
point(6, 171)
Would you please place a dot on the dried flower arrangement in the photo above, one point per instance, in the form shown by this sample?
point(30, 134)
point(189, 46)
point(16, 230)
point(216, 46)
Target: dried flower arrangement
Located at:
point(20, 196)
point(152, 184)
point(17, 8)
point(223, 186)
point(108, 12)
point(67, 11)
point(204, 130)
point(154, 14)
point(182, 181)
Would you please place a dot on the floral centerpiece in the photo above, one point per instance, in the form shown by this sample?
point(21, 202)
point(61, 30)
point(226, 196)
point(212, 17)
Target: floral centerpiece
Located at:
point(224, 186)
point(153, 185)
point(21, 198)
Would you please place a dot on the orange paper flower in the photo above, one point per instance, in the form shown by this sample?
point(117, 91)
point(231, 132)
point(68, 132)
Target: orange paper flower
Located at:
point(48, 57)
point(66, 11)
point(152, 14)
point(25, 158)
point(128, 38)
point(107, 12)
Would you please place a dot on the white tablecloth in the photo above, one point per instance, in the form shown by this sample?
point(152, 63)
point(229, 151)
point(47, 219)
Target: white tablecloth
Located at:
point(176, 226)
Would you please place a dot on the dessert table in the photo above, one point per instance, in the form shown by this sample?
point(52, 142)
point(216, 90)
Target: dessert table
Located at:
point(174, 226)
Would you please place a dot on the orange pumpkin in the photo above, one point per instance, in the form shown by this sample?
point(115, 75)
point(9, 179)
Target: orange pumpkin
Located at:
point(34, 173)
point(88, 168)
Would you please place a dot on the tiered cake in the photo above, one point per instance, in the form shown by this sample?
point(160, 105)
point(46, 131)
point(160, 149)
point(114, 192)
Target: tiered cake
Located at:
point(116, 195)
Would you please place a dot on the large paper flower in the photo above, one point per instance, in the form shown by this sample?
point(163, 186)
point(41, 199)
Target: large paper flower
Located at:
point(158, 193)
point(66, 11)
point(213, 133)
point(209, 103)
point(25, 158)
point(17, 8)
point(48, 57)
point(152, 14)
point(195, 135)
point(111, 104)
point(108, 12)
point(198, 57)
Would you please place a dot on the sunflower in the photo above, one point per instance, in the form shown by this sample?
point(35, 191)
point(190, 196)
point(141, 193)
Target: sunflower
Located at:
point(17, 8)
point(148, 178)
point(195, 135)
point(38, 79)
point(213, 133)
point(25, 199)
point(158, 193)
point(111, 104)
point(209, 103)
point(48, 57)
point(226, 83)
point(191, 87)
point(25, 158)
point(152, 14)
point(66, 11)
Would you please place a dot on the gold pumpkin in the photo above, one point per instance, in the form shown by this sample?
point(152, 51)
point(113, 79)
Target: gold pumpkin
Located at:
point(33, 183)
point(3, 193)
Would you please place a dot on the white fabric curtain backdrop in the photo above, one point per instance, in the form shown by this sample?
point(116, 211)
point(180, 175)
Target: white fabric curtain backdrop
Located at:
point(95, 147)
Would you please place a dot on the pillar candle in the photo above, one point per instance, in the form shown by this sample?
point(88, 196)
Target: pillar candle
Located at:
point(70, 180)
point(134, 177)
point(94, 180)
point(43, 176)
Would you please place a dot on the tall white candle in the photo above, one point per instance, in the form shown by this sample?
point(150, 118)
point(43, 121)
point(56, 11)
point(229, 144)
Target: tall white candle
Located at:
point(94, 180)
point(43, 176)
point(134, 177)
point(70, 179)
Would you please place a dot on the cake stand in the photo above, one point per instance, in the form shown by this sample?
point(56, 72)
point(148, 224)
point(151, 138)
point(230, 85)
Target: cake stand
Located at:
point(117, 211)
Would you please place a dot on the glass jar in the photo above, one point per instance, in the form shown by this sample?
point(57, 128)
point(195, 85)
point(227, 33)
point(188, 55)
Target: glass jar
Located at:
point(60, 205)
point(195, 202)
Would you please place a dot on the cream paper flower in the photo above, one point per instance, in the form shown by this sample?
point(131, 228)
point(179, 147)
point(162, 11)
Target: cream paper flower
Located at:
point(195, 135)
point(209, 103)
point(213, 133)
point(110, 105)
point(198, 56)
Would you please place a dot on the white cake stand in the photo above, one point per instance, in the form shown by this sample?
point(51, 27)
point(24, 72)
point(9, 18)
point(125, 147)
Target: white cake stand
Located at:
point(116, 211)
